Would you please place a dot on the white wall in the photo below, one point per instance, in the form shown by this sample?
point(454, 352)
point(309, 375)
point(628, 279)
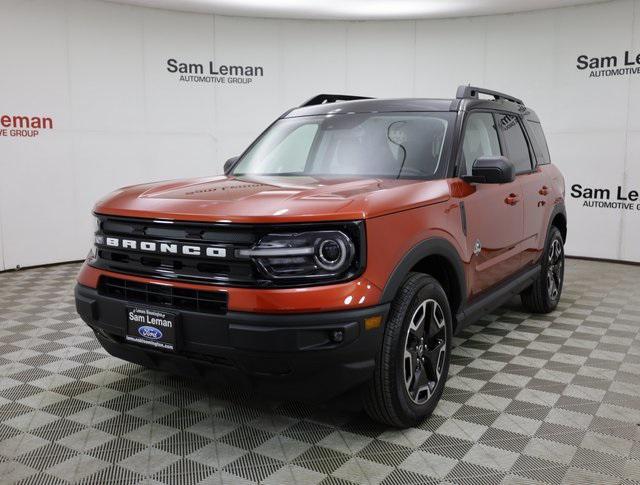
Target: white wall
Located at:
point(99, 70)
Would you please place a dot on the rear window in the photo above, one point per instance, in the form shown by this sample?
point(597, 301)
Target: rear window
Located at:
point(539, 142)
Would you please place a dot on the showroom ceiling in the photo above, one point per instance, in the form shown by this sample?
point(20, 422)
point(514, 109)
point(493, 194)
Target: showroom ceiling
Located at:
point(357, 9)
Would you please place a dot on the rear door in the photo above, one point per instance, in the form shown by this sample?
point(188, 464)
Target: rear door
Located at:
point(518, 149)
point(538, 196)
point(494, 212)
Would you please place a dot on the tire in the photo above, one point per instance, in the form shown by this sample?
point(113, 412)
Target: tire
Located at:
point(389, 397)
point(544, 294)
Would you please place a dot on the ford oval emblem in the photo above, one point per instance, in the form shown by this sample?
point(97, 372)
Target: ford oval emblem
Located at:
point(150, 332)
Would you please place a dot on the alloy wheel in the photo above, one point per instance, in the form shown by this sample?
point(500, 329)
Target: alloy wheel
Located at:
point(424, 351)
point(555, 270)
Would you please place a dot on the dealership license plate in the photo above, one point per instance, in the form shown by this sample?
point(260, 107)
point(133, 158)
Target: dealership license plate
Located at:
point(155, 328)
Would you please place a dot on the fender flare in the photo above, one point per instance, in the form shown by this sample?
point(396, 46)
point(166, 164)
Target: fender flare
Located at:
point(429, 247)
point(559, 208)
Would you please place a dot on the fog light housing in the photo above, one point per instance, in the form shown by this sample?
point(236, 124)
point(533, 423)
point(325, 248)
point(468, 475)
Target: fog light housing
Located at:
point(337, 336)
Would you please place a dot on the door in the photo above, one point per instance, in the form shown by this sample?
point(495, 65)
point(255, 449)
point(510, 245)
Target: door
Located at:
point(494, 212)
point(532, 187)
point(538, 197)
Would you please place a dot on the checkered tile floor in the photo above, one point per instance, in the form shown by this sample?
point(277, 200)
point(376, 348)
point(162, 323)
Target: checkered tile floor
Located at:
point(530, 399)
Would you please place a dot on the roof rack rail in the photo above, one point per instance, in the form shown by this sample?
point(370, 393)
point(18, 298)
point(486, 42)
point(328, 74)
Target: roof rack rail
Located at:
point(330, 98)
point(473, 91)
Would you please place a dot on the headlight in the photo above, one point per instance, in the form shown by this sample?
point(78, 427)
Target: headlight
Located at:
point(313, 254)
point(94, 238)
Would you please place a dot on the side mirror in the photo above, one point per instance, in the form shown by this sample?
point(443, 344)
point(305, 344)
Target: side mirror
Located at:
point(228, 165)
point(492, 170)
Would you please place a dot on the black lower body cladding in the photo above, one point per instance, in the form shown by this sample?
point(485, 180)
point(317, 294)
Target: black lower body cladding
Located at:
point(303, 356)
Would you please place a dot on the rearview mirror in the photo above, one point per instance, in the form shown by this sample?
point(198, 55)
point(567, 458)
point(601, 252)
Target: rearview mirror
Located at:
point(492, 170)
point(228, 165)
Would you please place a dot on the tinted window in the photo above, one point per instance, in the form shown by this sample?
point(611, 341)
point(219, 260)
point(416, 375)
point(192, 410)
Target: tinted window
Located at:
point(515, 142)
point(285, 155)
point(360, 144)
point(539, 142)
point(480, 140)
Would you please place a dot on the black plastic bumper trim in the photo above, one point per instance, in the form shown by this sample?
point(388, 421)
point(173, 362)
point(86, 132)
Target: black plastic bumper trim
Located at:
point(322, 353)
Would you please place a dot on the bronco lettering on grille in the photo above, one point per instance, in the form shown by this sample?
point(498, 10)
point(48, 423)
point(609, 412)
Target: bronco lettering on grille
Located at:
point(162, 248)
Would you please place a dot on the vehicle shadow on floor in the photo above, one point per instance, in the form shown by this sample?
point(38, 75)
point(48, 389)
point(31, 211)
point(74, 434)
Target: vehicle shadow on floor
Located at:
point(234, 402)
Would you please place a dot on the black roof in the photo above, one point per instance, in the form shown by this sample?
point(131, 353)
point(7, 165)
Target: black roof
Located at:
point(467, 98)
point(373, 105)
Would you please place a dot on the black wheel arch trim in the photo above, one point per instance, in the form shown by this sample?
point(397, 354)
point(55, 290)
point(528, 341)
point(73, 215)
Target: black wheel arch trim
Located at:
point(434, 246)
point(559, 208)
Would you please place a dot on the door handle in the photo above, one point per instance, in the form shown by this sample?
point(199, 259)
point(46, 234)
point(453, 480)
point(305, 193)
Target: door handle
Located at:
point(544, 190)
point(512, 199)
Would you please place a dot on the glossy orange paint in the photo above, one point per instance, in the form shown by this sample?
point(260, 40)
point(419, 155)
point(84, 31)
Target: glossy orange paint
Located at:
point(271, 199)
point(542, 190)
point(399, 214)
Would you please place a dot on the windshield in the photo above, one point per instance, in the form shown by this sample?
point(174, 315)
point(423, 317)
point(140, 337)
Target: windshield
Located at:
point(389, 145)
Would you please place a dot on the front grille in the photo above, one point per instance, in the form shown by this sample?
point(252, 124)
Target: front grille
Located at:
point(199, 269)
point(222, 267)
point(163, 295)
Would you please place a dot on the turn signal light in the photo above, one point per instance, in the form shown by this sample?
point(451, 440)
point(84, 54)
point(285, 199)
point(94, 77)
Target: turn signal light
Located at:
point(372, 322)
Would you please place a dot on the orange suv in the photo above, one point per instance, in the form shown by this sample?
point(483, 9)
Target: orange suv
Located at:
point(345, 247)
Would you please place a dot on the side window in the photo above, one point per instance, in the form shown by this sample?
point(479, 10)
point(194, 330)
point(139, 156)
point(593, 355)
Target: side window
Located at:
point(515, 142)
point(480, 140)
point(539, 142)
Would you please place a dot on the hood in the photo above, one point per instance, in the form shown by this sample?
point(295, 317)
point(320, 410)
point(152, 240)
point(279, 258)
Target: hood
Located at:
point(272, 199)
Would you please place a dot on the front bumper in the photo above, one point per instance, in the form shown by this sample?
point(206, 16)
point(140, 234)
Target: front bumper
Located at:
point(290, 355)
point(312, 299)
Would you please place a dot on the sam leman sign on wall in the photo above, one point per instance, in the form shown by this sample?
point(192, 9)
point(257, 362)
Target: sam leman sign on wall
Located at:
point(209, 73)
point(604, 66)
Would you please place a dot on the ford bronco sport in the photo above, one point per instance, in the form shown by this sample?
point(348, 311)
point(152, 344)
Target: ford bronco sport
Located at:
point(344, 248)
